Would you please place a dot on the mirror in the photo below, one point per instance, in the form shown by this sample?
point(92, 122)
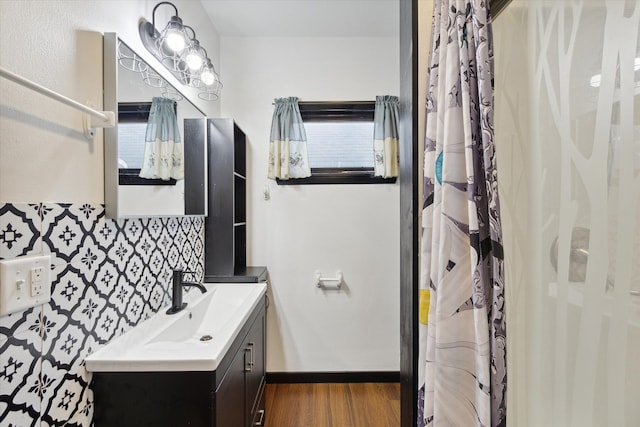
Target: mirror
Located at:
point(130, 85)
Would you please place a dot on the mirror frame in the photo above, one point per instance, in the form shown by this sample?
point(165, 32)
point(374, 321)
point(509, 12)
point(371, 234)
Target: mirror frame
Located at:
point(195, 176)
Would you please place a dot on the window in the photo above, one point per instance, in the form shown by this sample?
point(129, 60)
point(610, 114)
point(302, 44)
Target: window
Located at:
point(339, 143)
point(132, 127)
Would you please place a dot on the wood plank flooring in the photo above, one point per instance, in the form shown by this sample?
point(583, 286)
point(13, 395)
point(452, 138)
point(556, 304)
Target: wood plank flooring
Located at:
point(333, 405)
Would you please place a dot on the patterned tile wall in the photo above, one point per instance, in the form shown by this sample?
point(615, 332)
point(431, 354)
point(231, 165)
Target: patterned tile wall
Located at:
point(107, 276)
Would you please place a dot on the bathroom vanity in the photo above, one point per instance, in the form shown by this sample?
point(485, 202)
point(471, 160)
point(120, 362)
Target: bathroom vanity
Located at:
point(204, 368)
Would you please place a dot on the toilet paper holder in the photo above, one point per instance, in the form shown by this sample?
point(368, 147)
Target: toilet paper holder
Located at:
point(329, 282)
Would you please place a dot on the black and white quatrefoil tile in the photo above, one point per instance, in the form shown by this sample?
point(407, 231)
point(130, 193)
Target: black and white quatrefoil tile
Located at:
point(19, 230)
point(19, 235)
point(20, 365)
point(107, 276)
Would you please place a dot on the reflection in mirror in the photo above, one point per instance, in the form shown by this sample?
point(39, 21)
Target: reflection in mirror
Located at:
point(132, 128)
point(132, 89)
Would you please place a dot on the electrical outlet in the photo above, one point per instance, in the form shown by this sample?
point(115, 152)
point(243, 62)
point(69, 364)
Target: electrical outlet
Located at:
point(37, 274)
point(24, 282)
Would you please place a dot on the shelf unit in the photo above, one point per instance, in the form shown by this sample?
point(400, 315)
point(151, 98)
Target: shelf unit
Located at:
point(226, 223)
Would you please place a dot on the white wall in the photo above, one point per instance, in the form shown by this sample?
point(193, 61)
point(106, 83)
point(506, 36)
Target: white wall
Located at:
point(44, 155)
point(354, 228)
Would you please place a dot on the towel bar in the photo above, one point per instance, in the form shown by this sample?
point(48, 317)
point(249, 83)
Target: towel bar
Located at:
point(91, 118)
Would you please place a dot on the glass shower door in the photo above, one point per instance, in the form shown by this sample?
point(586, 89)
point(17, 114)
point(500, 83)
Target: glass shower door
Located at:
point(568, 140)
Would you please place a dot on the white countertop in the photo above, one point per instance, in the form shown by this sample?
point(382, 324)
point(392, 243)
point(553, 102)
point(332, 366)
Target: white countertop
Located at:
point(173, 342)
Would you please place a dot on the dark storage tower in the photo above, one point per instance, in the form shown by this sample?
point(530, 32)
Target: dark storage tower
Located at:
point(226, 223)
point(226, 226)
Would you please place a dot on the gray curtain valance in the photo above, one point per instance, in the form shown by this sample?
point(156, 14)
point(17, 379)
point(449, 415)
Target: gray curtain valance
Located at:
point(385, 137)
point(288, 156)
point(163, 152)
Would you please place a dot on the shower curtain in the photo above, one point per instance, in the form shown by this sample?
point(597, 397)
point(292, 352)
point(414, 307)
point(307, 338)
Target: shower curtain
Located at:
point(462, 360)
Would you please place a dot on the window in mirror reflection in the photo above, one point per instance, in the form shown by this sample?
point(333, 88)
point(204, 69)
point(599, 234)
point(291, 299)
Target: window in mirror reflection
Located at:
point(132, 127)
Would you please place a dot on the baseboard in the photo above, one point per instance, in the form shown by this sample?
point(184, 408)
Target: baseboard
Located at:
point(333, 377)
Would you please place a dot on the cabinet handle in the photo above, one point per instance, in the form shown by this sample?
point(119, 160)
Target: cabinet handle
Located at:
point(253, 360)
point(248, 364)
point(259, 423)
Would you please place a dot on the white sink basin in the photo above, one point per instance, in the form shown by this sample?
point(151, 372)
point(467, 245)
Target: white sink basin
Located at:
point(195, 339)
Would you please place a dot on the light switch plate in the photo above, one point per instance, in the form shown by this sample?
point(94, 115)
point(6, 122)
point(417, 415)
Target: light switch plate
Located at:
point(24, 282)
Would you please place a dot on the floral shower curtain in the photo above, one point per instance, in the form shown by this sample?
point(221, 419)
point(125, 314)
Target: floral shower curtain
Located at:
point(163, 151)
point(385, 137)
point(462, 361)
point(288, 156)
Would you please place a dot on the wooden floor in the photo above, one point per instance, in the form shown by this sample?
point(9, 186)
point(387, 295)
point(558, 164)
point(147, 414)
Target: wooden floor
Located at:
point(333, 405)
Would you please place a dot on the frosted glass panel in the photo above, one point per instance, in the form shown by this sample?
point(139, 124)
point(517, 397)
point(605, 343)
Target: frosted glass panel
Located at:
point(568, 136)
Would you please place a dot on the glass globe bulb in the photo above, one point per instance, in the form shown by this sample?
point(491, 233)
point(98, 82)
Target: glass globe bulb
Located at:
point(175, 41)
point(207, 77)
point(194, 60)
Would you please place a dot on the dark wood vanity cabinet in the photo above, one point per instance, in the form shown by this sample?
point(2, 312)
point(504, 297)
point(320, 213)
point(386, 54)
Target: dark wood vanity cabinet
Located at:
point(243, 385)
point(255, 378)
point(230, 396)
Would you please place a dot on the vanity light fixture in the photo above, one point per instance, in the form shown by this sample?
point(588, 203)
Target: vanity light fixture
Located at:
point(178, 50)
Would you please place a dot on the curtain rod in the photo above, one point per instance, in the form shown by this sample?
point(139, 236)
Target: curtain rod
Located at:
point(105, 118)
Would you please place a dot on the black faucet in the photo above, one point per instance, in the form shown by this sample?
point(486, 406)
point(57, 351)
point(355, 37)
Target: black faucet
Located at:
point(176, 295)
